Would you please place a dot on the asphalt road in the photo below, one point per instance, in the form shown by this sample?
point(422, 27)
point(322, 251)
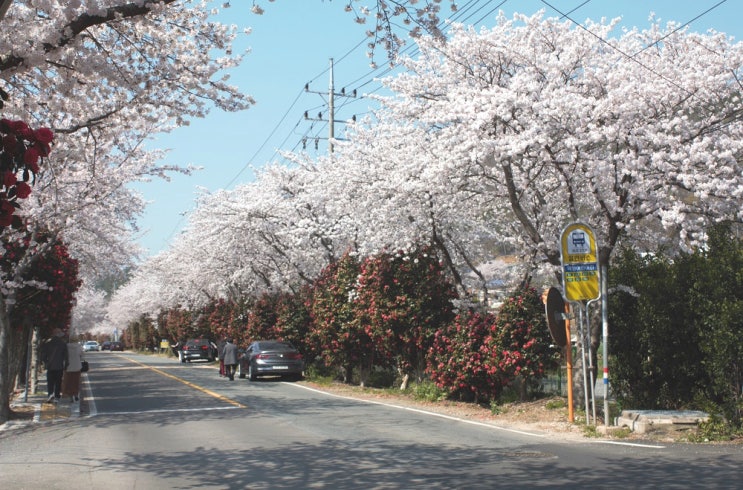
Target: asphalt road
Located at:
point(154, 423)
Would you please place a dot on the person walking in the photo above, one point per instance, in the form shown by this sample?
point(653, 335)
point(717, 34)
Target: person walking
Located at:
point(220, 354)
point(178, 349)
point(54, 357)
point(71, 379)
point(229, 356)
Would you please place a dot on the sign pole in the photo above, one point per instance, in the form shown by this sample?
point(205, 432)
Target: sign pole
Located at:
point(558, 321)
point(580, 281)
point(590, 361)
point(605, 335)
point(569, 364)
point(583, 345)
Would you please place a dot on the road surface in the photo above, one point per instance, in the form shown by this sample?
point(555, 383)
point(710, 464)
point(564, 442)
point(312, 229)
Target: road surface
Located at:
point(150, 422)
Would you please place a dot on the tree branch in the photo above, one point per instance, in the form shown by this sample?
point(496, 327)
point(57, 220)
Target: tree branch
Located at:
point(72, 30)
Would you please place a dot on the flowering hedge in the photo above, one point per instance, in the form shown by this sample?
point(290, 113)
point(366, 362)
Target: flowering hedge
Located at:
point(401, 301)
point(293, 319)
point(395, 311)
point(334, 335)
point(49, 306)
point(460, 360)
point(21, 150)
point(478, 355)
point(522, 339)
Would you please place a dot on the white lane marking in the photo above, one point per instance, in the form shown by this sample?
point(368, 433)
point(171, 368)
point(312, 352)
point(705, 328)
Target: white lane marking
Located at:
point(631, 444)
point(88, 396)
point(418, 410)
point(457, 419)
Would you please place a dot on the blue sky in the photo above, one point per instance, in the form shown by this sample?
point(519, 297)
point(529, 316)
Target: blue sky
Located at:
point(291, 45)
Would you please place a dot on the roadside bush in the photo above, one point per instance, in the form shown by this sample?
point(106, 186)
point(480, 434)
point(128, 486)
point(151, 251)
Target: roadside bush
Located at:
point(460, 359)
point(715, 429)
point(429, 391)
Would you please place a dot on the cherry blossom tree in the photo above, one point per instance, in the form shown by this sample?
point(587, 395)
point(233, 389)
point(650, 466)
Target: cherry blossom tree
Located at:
point(389, 23)
point(637, 137)
point(89, 312)
point(497, 137)
point(105, 77)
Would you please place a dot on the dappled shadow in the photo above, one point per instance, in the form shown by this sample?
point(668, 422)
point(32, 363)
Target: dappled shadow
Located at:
point(381, 464)
point(369, 464)
point(207, 408)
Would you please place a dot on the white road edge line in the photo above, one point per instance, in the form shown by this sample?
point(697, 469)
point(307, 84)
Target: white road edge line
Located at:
point(457, 419)
point(89, 398)
point(418, 410)
point(631, 444)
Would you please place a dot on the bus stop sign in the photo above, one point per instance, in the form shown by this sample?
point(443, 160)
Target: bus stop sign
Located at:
point(580, 271)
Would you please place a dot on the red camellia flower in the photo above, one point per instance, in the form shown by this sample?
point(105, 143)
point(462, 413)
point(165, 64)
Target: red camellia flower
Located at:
point(43, 148)
point(10, 143)
point(6, 213)
point(19, 156)
point(44, 135)
point(22, 190)
point(9, 179)
point(5, 219)
point(21, 129)
point(31, 157)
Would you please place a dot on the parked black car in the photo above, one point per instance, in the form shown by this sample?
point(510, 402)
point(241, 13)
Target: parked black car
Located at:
point(270, 358)
point(106, 345)
point(199, 349)
point(116, 346)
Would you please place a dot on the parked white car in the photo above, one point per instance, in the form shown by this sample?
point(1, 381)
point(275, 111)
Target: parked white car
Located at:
point(91, 345)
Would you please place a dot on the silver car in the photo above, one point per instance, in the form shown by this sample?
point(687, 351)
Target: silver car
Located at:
point(91, 345)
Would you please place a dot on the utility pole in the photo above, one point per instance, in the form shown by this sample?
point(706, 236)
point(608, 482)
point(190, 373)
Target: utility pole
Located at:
point(332, 94)
point(331, 109)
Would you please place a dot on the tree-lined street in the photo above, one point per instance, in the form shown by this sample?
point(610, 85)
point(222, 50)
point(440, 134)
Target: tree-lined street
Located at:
point(157, 423)
point(412, 255)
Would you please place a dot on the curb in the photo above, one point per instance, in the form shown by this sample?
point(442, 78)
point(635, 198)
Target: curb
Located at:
point(42, 411)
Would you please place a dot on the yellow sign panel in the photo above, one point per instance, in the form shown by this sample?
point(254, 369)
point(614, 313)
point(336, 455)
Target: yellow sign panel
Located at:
point(580, 271)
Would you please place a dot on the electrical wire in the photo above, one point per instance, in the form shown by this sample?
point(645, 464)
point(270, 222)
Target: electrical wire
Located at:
point(462, 15)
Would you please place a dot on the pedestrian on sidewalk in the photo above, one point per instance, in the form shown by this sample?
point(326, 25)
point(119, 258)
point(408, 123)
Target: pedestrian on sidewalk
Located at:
point(71, 379)
point(229, 354)
point(220, 354)
point(54, 357)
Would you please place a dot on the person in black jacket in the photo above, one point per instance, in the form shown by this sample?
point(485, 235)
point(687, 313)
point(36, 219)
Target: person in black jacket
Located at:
point(54, 357)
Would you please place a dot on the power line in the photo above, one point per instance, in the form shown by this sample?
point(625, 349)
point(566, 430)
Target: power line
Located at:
point(626, 55)
point(462, 15)
point(265, 142)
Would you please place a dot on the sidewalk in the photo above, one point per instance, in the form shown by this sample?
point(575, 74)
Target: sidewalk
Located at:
point(36, 410)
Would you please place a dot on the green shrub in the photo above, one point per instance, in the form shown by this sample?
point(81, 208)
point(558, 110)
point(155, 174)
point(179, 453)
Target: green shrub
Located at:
point(381, 378)
point(320, 373)
point(716, 428)
point(555, 404)
point(496, 408)
point(428, 391)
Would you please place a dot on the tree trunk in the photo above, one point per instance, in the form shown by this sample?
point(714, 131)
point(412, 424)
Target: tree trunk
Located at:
point(18, 356)
point(405, 381)
point(348, 374)
point(6, 386)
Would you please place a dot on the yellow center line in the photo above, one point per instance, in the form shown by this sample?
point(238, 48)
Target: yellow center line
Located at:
point(189, 384)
